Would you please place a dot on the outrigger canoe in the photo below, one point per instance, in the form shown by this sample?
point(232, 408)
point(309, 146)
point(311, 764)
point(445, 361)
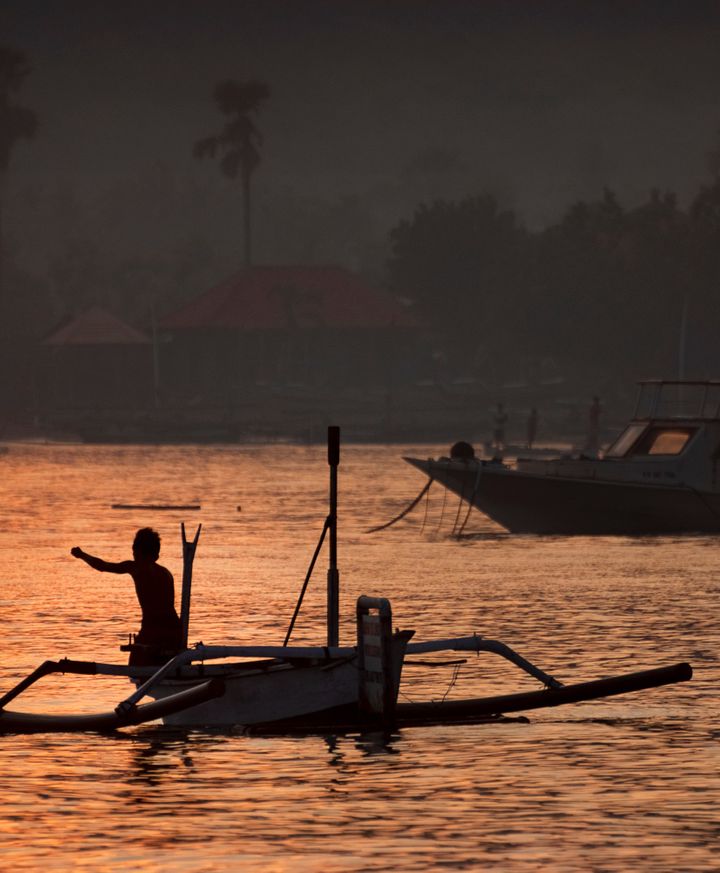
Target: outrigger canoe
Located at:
point(288, 687)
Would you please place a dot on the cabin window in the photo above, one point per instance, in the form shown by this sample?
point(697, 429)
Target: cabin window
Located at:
point(625, 441)
point(664, 441)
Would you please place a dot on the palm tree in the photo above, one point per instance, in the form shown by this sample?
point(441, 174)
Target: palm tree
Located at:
point(16, 122)
point(239, 140)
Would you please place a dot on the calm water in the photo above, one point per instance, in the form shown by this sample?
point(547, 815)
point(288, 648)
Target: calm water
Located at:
point(611, 785)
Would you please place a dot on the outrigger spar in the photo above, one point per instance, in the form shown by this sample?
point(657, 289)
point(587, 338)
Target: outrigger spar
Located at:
point(307, 687)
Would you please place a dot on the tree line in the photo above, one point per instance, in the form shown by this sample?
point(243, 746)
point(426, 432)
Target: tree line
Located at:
point(604, 295)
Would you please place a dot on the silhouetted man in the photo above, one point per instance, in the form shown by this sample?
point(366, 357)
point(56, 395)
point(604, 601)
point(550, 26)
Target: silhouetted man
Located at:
point(593, 441)
point(160, 633)
point(499, 431)
point(532, 424)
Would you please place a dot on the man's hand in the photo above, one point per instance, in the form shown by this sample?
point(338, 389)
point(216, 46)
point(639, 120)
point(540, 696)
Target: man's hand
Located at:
point(76, 552)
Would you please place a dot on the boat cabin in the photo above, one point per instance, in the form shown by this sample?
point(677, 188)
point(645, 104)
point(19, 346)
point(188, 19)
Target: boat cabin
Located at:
point(667, 417)
point(672, 439)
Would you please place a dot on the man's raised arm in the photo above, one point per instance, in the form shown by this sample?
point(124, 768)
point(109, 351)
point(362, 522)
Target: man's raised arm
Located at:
point(99, 564)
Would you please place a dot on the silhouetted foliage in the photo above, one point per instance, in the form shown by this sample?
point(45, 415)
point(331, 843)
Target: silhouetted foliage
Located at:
point(238, 143)
point(713, 158)
point(16, 122)
point(459, 262)
point(602, 291)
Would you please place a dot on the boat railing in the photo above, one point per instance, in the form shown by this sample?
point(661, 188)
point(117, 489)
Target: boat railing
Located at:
point(695, 400)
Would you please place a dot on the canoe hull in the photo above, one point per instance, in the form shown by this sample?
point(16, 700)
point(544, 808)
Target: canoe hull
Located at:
point(278, 692)
point(30, 722)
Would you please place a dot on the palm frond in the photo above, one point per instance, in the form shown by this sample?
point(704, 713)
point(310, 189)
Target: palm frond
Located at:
point(238, 142)
point(14, 68)
point(240, 97)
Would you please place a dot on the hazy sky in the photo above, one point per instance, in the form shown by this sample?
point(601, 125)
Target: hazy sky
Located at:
point(543, 101)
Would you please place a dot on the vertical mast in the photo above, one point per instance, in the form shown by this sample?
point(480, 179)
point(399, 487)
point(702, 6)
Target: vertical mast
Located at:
point(333, 576)
point(188, 547)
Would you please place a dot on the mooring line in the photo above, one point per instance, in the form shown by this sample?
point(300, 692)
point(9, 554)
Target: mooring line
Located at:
point(467, 516)
point(471, 503)
point(442, 511)
point(405, 511)
point(460, 503)
point(427, 504)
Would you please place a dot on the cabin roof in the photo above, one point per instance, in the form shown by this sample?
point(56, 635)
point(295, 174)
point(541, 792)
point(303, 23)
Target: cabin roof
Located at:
point(661, 383)
point(267, 297)
point(689, 400)
point(96, 327)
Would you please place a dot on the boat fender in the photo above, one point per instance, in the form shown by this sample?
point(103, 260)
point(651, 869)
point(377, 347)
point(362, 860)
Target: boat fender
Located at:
point(462, 451)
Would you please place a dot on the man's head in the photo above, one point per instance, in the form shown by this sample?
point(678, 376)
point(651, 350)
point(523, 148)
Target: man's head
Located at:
point(146, 544)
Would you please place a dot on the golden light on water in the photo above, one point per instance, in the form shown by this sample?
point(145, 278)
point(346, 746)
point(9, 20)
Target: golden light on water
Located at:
point(593, 786)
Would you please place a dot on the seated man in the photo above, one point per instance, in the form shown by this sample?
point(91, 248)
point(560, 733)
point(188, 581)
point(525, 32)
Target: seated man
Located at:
point(160, 630)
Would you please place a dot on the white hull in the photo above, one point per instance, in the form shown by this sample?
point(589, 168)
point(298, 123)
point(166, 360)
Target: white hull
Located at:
point(661, 475)
point(278, 692)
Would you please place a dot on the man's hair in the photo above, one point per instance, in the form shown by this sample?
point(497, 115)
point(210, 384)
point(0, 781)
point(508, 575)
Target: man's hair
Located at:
point(147, 543)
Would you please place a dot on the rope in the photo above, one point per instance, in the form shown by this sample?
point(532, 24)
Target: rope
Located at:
point(434, 663)
point(427, 504)
point(408, 508)
point(327, 524)
point(467, 516)
point(460, 502)
point(456, 665)
point(442, 511)
point(471, 501)
point(453, 680)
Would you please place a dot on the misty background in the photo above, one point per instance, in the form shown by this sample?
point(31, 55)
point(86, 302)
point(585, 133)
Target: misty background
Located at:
point(538, 183)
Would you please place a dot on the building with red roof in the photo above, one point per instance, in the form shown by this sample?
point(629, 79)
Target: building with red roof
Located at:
point(292, 298)
point(310, 326)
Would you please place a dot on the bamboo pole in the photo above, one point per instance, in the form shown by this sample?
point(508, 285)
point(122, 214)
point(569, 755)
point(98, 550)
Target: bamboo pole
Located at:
point(333, 576)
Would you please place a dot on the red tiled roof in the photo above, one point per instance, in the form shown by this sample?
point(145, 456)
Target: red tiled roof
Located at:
point(282, 297)
point(96, 327)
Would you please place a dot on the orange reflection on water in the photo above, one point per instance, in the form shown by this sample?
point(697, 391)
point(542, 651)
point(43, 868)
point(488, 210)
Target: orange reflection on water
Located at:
point(605, 785)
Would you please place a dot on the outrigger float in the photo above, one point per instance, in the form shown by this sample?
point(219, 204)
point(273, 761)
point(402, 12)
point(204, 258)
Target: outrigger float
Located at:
point(288, 688)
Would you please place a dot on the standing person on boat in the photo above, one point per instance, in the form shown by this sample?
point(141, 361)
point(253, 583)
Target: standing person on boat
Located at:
point(593, 440)
point(499, 431)
point(160, 633)
point(532, 424)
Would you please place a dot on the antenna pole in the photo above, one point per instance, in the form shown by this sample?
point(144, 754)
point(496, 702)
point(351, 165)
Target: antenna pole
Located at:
point(683, 341)
point(333, 577)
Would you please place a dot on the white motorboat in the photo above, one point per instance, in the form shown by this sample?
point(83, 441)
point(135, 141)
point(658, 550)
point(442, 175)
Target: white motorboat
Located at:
point(660, 475)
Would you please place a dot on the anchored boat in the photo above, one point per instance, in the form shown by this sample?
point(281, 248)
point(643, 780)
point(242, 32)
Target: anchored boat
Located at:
point(307, 687)
point(661, 475)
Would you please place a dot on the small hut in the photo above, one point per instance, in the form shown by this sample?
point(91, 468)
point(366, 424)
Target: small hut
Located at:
point(96, 361)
